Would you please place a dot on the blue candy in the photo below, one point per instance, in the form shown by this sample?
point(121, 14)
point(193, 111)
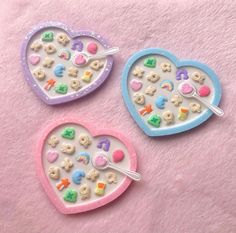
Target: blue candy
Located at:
point(77, 176)
point(59, 70)
point(160, 102)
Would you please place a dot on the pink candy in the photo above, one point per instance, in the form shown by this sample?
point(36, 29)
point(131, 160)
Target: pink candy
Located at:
point(34, 59)
point(100, 160)
point(92, 48)
point(186, 88)
point(118, 156)
point(136, 85)
point(204, 91)
point(52, 156)
point(80, 60)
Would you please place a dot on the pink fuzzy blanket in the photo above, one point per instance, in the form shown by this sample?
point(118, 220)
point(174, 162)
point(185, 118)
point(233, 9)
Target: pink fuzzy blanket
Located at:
point(189, 180)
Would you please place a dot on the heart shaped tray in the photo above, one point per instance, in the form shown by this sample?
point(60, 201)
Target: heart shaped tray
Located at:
point(50, 64)
point(150, 83)
point(66, 172)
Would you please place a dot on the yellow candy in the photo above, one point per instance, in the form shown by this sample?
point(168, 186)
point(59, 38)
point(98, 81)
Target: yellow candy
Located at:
point(87, 76)
point(183, 113)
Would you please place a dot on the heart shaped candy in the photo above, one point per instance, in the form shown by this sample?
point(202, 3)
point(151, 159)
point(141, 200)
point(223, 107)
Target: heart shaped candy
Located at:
point(51, 44)
point(161, 72)
point(65, 169)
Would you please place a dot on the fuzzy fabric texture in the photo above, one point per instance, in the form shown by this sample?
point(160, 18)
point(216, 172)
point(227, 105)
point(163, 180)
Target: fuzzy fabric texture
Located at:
point(189, 179)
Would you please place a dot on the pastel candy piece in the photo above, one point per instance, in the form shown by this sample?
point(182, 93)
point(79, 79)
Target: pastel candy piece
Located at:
point(100, 160)
point(47, 36)
point(104, 144)
point(70, 195)
point(77, 45)
point(118, 156)
point(61, 88)
point(64, 54)
point(52, 156)
point(34, 59)
point(83, 157)
point(181, 74)
point(150, 62)
point(77, 176)
point(204, 91)
point(80, 60)
point(186, 88)
point(92, 47)
point(136, 85)
point(160, 102)
point(167, 84)
point(59, 70)
point(154, 120)
point(68, 133)
point(100, 188)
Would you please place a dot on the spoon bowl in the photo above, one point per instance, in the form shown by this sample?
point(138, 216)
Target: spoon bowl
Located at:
point(188, 90)
point(81, 58)
point(101, 162)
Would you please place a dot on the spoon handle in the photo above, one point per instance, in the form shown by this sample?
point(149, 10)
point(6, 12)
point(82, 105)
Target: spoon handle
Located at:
point(133, 175)
point(218, 111)
point(105, 53)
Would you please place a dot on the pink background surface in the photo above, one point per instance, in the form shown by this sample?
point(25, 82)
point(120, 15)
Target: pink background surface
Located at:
point(188, 181)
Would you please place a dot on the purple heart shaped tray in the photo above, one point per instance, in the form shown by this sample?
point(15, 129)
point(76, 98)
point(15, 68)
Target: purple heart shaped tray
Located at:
point(61, 64)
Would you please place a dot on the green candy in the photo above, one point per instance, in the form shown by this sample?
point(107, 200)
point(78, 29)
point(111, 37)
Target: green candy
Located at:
point(47, 36)
point(61, 88)
point(68, 133)
point(150, 62)
point(70, 195)
point(154, 120)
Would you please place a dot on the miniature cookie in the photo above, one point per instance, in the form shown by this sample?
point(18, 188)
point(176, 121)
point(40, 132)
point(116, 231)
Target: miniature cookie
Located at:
point(84, 191)
point(96, 65)
point(39, 73)
point(73, 72)
point(53, 141)
point(54, 173)
point(67, 164)
point(139, 98)
point(75, 84)
point(150, 90)
point(92, 175)
point(153, 77)
point(84, 140)
point(168, 117)
point(176, 100)
point(48, 62)
point(50, 48)
point(67, 148)
point(138, 71)
point(111, 177)
point(198, 77)
point(36, 46)
point(195, 107)
point(166, 67)
point(62, 38)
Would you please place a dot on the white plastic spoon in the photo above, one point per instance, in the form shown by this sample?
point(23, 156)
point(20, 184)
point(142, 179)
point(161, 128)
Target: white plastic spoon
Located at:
point(188, 90)
point(101, 162)
point(82, 58)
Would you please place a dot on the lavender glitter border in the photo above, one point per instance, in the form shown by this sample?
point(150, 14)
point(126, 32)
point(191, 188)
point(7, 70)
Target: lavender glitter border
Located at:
point(73, 34)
